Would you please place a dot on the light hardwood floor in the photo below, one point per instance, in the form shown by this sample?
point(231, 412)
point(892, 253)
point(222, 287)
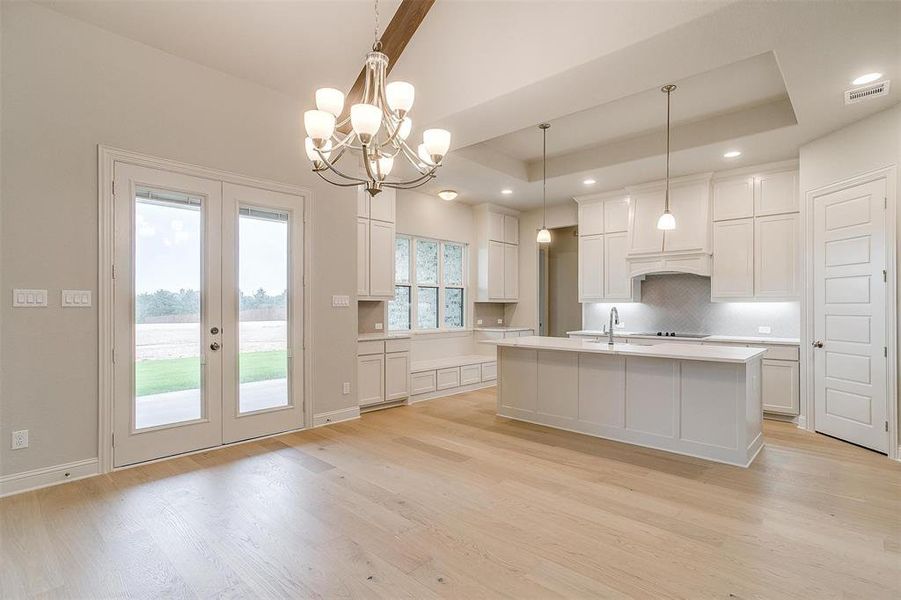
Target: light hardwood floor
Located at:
point(444, 499)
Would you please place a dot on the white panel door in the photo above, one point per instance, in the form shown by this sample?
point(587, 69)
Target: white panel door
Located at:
point(381, 259)
point(849, 314)
point(690, 206)
point(496, 270)
point(776, 264)
point(733, 259)
point(617, 282)
point(645, 209)
point(511, 272)
point(362, 257)
point(591, 268)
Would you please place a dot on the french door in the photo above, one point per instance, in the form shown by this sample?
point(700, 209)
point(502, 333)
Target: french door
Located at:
point(208, 313)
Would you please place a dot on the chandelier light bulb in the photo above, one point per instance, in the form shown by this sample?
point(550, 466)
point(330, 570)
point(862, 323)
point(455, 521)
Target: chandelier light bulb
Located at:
point(330, 100)
point(311, 150)
point(544, 236)
point(400, 95)
point(320, 125)
point(405, 127)
point(423, 154)
point(436, 142)
point(666, 222)
point(383, 166)
point(366, 120)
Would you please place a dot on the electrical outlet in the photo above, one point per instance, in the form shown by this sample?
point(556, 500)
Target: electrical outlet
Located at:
point(479, 322)
point(764, 329)
point(346, 388)
point(500, 321)
point(19, 439)
point(378, 326)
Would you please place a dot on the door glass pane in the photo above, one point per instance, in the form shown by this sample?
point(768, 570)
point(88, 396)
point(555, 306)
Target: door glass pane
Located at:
point(453, 307)
point(399, 309)
point(263, 309)
point(167, 284)
point(402, 260)
point(427, 310)
point(426, 262)
point(453, 264)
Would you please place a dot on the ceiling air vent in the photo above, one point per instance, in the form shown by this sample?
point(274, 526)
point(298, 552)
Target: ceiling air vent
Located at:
point(866, 92)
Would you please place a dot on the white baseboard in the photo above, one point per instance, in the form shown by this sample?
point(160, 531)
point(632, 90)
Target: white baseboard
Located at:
point(47, 476)
point(802, 422)
point(336, 416)
point(452, 391)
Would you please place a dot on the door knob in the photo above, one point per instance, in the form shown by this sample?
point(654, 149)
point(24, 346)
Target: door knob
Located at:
point(818, 344)
point(215, 346)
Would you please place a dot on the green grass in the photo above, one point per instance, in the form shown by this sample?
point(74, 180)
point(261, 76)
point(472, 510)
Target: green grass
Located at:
point(174, 374)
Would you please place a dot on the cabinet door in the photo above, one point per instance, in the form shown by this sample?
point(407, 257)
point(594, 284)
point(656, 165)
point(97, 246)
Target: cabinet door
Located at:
point(382, 206)
point(362, 257)
point(470, 374)
point(616, 215)
point(362, 203)
point(617, 283)
point(690, 205)
point(776, 240)
point(511, 272)
point(397, 376)
point(496, 270)
point(645, 209)
point(780, 387)
point(511, 229)
point(591, 268)
point(733, 198)
point(591, 218)
point(733, 259)
point(776, 193)
point(495, 227)
point(381, 259)
point(370, 379)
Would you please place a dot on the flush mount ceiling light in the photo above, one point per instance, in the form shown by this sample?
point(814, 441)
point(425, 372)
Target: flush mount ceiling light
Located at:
point(447, 194)
point(589, 181)
point(376, 130)
point(667, 221)
point(732, 154)
point(544, 236)
point(868, 78)
point(506, 192)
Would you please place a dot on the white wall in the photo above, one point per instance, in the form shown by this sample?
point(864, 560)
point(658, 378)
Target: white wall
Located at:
point(67, 87)
point(869, 144)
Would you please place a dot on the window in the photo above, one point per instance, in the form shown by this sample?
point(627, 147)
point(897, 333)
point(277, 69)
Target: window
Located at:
point(430, 290)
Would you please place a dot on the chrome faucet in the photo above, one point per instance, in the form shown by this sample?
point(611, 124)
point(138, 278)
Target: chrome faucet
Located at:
point(614, 319)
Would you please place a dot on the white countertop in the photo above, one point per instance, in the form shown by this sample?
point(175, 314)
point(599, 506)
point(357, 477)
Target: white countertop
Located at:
point(674, 350)
point(378, 337)
point(737, 339)
point(502, 328)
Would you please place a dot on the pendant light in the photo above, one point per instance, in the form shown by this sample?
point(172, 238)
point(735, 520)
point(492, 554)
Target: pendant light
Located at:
point(544, 236)
point(667, 221)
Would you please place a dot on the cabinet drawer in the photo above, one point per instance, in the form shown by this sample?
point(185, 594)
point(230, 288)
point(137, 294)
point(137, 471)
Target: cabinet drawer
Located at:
point(397, 345)
point(370, 347)
point(489, 371)
point(448, 378)
point(780, 352)
point(470, 374)
point(423, 382)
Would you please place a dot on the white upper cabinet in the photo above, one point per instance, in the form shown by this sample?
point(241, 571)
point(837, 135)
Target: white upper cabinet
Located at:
point(511, 272)
point(604, 272)
point(375, 244)
point(382, 205)
point(646, 207)
point(733, 260)
point(618, 285)
point(776, 242)
point(495, 271)
point(591, 218)
point(495, 227)
point(733, 198)
point(511, 229)
point(381, 259)
point(591, 267)
point(690, 205)
point(362, 257)
point(362, 203)
point(616, 215)
point(776, 193)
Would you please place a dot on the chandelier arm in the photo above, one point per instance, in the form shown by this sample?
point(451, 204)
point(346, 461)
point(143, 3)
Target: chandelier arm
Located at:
point(407, 186)
point(414, 182)
point(366, 163)
point(414, 159)
point(354, 184)
point(331, 167)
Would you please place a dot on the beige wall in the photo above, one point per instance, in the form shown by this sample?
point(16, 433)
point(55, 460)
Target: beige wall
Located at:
point(564, 309)
point(67, 87)
point(867, 145)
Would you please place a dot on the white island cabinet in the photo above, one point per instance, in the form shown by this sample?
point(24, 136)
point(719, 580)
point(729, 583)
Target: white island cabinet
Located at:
point(702, 401)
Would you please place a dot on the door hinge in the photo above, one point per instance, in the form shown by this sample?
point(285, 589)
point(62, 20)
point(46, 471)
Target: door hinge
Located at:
point(114, 271)
point(885, 351)
point(886, 425)
point(884, 275)
point(114, 439)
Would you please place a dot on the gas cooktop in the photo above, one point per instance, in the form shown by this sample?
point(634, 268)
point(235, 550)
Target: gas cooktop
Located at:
point(697, 336)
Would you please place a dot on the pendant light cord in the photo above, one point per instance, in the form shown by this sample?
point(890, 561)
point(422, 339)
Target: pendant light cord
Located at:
point(544, 176)
point(669, 92)
point(376, 43)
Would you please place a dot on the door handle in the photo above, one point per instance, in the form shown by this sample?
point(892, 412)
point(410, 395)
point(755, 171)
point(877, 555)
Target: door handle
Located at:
point(215, 346)
point(818, 344)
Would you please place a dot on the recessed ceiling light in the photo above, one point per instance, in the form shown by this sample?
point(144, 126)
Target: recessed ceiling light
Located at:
point(589, 181)
point(447, 194)
point(506, 192)
point(868, 78)
point(732, 154)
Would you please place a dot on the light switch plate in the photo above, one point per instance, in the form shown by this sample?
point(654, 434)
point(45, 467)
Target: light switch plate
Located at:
point(345, 389)
point(378, 326)
point(340, 301)
point(479, 322)
point(29, 298)
point(764, 329)
point(75, 298)
point(500, 321)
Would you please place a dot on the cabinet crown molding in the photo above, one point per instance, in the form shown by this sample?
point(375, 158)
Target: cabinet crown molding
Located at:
point(673, 182)
point(602, 196)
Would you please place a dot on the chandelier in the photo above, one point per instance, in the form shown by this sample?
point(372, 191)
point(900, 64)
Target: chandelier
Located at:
point(375, 132)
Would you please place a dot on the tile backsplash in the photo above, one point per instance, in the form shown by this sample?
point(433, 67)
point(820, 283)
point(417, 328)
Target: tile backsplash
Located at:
point(682, 303)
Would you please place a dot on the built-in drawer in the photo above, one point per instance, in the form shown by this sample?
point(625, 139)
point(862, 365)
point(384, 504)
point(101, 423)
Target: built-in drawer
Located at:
point(402, 345)
point(422, 382)
point(470, 374)
point(780, 352)
point(489, 371)
point(448, 378)
point(370, 347)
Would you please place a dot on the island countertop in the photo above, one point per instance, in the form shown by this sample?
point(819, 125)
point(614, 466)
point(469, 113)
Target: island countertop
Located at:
point(675, 350)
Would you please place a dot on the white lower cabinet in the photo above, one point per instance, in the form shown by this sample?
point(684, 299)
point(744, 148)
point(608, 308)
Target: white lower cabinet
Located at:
point(422, 383)
point(489, 371)
point(470, 374)
point(397, 376)
point(383, 371)
point(371, 379)
point(448, 378)
point(780, 387)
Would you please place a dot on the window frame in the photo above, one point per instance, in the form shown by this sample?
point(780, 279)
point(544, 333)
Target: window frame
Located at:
point(413, 285)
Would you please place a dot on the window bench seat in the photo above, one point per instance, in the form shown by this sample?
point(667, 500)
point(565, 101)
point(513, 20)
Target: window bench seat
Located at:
point(451, 375)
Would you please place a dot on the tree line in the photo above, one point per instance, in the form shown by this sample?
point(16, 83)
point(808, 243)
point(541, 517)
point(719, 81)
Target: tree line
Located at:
point(149, 306)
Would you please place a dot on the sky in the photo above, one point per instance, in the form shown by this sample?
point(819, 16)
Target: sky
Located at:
point(167, 248)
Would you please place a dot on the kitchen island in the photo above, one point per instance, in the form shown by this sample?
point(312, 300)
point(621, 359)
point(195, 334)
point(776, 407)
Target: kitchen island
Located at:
point(701, 401)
